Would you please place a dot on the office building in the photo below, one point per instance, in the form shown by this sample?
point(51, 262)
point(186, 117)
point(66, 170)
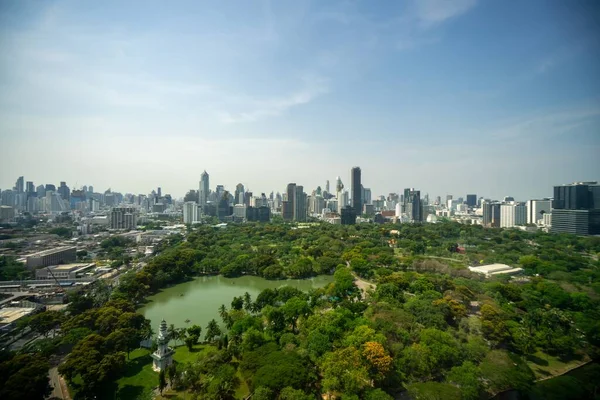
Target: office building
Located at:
point(288, 202)
point(64, 191)
point(348, 215)
point(123, 218)
point(536, 210)
point(64, 271)
point(576, 209)
point(412, 205)
point(300, 204)
point(471, 200)
point(491, 214)
point(204, 189)
point(513, 214)
point(258, 214)
point(7, 214)
point(356, 189)
point(20, 185)
point(366, 196)
point(59, 255)
point(223, 208)
point(238, 198)
point(190, 212)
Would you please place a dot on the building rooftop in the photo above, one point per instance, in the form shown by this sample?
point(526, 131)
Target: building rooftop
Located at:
point(494, 269)
point(67, 267)
point(50, 251)
point(11, 314)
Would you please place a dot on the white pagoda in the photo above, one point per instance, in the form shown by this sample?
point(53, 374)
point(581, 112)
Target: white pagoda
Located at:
point(163, 356)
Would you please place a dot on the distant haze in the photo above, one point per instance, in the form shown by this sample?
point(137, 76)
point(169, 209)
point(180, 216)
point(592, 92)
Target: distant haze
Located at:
point(488, 97)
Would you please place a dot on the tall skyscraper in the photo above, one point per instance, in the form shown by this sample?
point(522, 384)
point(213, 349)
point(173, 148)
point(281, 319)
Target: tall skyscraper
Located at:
point(159, 192)
point(356, 189)
point(204, 189)
point(576, 209)
point(536, 210)
point(491, 213)
point(327, 186)
point(412, 205)
point(239, 194)
point(288, 202)
point(20, 185)
point(64, 191)
point(339, 188)
point(190, 212)
point(300, 206)
point(30, 188)
point(471, 200)
point(513, 214)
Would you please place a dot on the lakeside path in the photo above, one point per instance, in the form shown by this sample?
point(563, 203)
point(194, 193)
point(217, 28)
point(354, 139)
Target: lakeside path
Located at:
point(362, 284)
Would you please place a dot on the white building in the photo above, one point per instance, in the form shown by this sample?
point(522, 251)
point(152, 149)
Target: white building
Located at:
point(190, 212)
point(239, 211)
point(536, 210)
point(512, 214)
point(163, 356)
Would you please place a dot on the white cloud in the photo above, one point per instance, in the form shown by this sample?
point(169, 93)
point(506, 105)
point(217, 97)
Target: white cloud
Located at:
point(262, 108)
point(431, 12)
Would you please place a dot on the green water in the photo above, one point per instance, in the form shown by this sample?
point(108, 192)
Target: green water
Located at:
point(199, 300)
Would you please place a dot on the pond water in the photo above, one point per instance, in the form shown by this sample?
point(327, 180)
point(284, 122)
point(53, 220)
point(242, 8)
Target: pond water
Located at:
point(199, 300)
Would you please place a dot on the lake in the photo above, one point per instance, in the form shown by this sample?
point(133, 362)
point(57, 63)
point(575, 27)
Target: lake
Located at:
point(199, 300)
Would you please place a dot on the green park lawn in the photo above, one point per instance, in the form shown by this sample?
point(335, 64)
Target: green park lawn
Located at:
point(545, 365)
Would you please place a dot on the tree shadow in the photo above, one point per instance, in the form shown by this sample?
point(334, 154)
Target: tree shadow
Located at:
point(537, 360)
point(134, 367)
point(129, 392)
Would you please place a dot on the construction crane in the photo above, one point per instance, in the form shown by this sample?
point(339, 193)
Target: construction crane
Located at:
point(60, 288)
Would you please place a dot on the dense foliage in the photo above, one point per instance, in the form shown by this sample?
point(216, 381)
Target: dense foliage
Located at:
point(428, 326)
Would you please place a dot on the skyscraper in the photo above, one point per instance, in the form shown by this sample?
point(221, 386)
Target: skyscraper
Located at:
point(203, 189)
point(512, 214)
point(536, 210)
point(327, 186)
point(239, 194)
point(576, 208)
point(412, 205)
point(288, 202)
point(491, 213)
point(299, 204)
point(20, 185)
point(356, 189)
point(471, 200)
point(190, 212)
point(64, 191)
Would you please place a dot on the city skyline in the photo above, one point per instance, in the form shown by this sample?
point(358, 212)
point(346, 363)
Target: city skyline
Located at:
point(448, 97)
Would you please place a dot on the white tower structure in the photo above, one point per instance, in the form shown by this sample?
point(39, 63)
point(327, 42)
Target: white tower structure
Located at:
point(163, 356)
point(339, 187)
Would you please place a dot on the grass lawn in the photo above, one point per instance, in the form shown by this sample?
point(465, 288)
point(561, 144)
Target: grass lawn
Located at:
point(183, 355)
point(545, 365)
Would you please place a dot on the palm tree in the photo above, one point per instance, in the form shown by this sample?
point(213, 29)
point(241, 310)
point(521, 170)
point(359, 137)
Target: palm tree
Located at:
point(172, 332)
point(223, 313)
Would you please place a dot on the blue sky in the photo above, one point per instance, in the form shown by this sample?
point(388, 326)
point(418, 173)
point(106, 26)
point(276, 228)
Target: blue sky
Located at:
point(491, 97)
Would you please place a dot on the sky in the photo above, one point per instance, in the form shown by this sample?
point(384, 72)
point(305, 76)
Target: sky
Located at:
point(450, 97)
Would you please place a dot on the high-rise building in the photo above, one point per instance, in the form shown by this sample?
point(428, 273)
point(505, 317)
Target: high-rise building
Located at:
point(327, 186)
point(536, 210)
point(300, 209)
point(366, 196)
point(204, 189)
point(223, 208)
point(471, 200)
point(190, 212)
point(339, 187)
point(30, 189)
point(123, 218)
point(513, 214)
point(412, 205)
point(159, 192)
point(288, 202)
point(576, 209)
point(356, 189)
point(239, 194)
point(64, 191)
point(348, 216)
point(20, 185)
point(491, 213)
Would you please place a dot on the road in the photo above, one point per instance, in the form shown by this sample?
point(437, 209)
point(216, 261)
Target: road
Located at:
point(59, 386)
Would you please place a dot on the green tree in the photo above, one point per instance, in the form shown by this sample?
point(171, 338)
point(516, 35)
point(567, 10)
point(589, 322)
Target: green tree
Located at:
point(433, 391)
point(468, 378)
point(293, 309)
point(162, 381)
point(24, 377)
point(343, 371)
point(212, 331)
point(290, 393)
